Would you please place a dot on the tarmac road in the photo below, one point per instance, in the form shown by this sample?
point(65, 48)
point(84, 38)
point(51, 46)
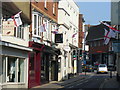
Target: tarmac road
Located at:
point(94, 82)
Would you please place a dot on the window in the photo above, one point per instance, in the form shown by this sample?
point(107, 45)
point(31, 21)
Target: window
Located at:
point(54, 8)
point(91, 44)
point(37, 22)
point(13, 69)
point(45, 4)
point(19, 32)
point(95, 43)
point(68, 5)
point(21, 70)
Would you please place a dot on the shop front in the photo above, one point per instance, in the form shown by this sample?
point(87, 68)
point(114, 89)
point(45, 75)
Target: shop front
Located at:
point(43, 64)
point(34, 72)
point(14, 65)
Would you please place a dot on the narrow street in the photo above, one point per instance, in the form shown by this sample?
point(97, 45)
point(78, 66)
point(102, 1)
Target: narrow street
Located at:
point(94, 82)
point(91, 80)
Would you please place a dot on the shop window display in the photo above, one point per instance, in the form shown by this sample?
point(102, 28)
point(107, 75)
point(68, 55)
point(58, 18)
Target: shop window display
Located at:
point(13, 69)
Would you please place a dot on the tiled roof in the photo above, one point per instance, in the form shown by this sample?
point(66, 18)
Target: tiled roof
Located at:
point(96, 32)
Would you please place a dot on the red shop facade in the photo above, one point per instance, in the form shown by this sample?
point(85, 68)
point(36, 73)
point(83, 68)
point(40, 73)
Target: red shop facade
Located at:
point(43, 64)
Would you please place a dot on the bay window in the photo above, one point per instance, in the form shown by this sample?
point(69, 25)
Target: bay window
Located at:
point(37, 22)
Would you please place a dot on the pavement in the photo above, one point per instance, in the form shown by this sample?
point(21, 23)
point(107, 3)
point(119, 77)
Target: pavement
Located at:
point(61, 84)
point(110, 83)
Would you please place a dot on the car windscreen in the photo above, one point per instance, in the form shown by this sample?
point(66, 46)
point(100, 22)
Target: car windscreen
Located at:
point(102, 65)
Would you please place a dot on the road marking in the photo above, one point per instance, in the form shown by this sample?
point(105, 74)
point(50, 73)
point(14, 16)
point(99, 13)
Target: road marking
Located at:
point(70, 87)
point(101, 86)
point(85, 81)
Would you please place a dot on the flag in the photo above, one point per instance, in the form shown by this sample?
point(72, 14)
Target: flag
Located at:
point(109, 34)
point(106, 38)
point(55, 31)
point(42, 28)
point(74, 35)
point(17, 20)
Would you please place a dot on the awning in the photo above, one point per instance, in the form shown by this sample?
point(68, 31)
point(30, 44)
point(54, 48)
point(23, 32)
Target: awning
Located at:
point(9, 9)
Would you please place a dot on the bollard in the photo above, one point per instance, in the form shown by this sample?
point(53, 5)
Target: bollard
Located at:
point(110, 74)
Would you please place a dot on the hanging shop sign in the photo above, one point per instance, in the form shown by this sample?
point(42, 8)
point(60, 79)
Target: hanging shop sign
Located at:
point(58, 38)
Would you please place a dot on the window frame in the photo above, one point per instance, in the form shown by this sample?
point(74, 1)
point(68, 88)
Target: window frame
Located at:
point(5, 69)
point(54, 8)
point(45, 4)
point(39, 20)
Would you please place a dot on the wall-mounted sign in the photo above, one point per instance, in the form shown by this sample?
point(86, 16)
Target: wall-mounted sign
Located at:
point(8, 28)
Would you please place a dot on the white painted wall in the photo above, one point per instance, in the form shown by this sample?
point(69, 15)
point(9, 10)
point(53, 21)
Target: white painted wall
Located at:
point(68, 13)
point(85, 30)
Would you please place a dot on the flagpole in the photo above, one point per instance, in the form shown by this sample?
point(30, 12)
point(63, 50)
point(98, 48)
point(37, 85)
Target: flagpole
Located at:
point(19, 12)
point(109, 26)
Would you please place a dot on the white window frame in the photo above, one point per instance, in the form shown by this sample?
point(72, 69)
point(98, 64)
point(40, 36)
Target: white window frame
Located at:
point(38, 18)
point(16, 64)
point(45, 4)
point(54, 6)
point(19, 33)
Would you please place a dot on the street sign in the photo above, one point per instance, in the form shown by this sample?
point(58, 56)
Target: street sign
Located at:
point(116, 47)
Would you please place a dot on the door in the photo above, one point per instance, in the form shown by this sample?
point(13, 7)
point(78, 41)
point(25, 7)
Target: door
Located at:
point(34, 69)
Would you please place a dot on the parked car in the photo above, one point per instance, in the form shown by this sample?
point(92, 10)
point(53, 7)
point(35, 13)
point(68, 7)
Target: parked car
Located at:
point(87, 68)
point(102, 68)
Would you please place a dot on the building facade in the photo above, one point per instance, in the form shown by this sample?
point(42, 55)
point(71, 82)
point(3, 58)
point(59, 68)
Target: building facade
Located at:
point(14, 45)
point(98, 51)
point(115, 20)
point(68, 13)
point(43, 61)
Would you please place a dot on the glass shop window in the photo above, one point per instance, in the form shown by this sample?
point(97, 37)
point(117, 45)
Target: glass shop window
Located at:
point(13, 69)
point(21, 70)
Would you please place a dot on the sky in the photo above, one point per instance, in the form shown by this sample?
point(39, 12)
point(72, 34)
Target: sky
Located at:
point(93, 12)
